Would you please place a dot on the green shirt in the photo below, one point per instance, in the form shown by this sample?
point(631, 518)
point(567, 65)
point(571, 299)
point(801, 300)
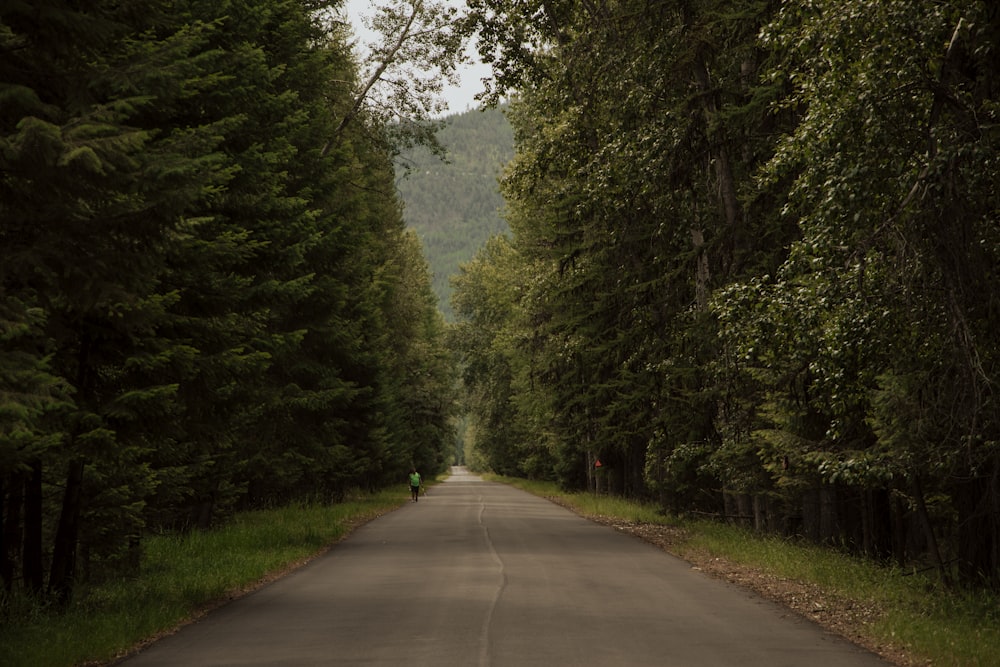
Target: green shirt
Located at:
point(414, 479)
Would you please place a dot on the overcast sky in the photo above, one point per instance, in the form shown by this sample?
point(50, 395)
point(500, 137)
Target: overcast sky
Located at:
point(459, 98)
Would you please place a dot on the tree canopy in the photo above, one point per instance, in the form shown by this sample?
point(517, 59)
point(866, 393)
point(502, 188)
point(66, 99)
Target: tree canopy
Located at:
point(753, 266)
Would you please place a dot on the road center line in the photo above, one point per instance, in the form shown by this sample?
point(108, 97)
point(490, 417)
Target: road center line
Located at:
point(484, 635)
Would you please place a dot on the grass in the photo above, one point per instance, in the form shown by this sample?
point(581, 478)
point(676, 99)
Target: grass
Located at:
point(932, 625)
point(182, 575)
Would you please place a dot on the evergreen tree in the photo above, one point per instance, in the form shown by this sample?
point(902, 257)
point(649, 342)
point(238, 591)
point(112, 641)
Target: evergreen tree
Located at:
point(193, 318)
point(92, 201)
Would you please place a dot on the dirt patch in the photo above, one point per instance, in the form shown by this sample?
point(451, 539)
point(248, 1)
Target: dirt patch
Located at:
point(848, 618)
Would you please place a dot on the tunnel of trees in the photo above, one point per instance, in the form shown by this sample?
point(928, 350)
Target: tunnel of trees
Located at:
point(753, 269)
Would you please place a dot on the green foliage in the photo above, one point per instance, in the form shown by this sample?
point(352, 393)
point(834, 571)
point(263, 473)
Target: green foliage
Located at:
point(876, 293)
point(754, 271)
point(486, 302)
point(206, 302)
point(623, 198)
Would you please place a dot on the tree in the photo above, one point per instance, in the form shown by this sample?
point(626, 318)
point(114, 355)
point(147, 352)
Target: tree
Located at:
point(418, 47)
point(889, 174)
point(92, 201)
point(32, 398)
point(766, 264)
point(499, 393)
point(420, 375)
point(630, 120)
point(191, 317)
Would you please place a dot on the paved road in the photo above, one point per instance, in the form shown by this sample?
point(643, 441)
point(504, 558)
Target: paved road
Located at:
point(480, 574)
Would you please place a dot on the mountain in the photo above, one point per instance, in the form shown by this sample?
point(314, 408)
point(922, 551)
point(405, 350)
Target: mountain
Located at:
point(454, 205)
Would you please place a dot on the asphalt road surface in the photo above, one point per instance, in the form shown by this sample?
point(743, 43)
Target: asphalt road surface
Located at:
point(481, 574)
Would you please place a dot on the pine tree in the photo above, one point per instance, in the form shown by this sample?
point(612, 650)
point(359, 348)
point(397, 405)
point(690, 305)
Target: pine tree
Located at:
point(93, 199)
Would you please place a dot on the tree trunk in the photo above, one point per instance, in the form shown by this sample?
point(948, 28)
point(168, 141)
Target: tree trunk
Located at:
point(759, 513)
point(828, 524)
point(810, 515)
point(32, 560)
point(925, 523)
point(702, 274)
point(8, 518)
point(67, 535)
point(744, 507)
point(728, 198)
point(899, 531)
point(728, 504)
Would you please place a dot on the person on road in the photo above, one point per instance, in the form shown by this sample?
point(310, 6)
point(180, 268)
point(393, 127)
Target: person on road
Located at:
point(414, 484)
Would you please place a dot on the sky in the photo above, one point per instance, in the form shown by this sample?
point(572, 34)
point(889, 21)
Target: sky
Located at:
point(458, 98)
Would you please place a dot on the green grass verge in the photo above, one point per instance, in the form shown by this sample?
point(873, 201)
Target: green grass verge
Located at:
point(935, 626)
point(180, 576)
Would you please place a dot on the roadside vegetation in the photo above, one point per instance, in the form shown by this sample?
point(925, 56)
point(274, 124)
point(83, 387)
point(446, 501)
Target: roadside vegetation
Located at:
point(904, 615)
point(182, 577)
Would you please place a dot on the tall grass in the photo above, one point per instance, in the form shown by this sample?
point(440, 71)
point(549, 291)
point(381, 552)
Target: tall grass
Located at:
point(934, 625)
point(181, 575)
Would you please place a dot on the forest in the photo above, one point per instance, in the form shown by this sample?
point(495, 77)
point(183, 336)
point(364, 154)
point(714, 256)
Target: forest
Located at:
point(453, 202)
point(753, 269)
point(209, 301)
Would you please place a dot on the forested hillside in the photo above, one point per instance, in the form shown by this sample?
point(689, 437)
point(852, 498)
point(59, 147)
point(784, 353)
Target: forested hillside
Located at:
point(208, 298)
point(454, 205)
point(753, 267)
